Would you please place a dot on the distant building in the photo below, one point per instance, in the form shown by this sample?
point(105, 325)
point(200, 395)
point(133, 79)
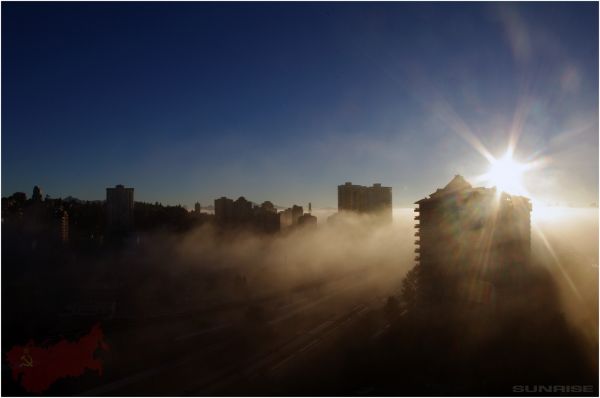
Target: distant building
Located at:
point(360, 199)
point(466, 235)
point(36, 196)
point(379, 199)
point(242, 210)
point(268, 207)
point(223, 209)
point(297, 212)
point(197, 208)
point(63, 225)
point(307, 219)
point(119, 209)
point(285, 218)
point(266, 218)
point(289, 217)
point(351, 197)
point(18, 197)
point(243, 213)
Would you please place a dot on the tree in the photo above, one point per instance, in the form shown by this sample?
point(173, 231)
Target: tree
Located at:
point(409, 291)
point(391, 308)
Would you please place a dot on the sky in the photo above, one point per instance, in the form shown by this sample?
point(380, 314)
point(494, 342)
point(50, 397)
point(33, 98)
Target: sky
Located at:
point(188, 102)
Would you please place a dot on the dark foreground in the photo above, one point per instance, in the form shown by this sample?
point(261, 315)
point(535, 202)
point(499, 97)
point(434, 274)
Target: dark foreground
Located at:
point(337, 336)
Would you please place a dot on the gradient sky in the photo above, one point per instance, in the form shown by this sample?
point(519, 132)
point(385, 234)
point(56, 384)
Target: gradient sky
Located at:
point(192, 101)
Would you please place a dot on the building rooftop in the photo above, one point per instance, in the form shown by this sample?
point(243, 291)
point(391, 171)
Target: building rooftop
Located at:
point(458, 184)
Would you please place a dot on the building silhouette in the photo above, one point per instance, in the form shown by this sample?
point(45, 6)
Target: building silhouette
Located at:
point(268, 207)
point(19, 198)
point(467, 237)
point(297, 212)
point(242, 210)
point(36, 196)
point(307, 219)
point(294, 217)
point(375, 200)
point(229, 211)
point(119, 209)
point(289, 217)
point(245, 214)
point(285, 218)
point(223, 210)
point(63, 218)
point(197, 208)
point(266, 218)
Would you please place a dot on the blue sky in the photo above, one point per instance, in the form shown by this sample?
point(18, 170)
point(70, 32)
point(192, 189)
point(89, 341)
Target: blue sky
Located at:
point(192, 101)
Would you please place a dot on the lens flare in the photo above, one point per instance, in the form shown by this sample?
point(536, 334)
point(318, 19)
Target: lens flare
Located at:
point(506, 175)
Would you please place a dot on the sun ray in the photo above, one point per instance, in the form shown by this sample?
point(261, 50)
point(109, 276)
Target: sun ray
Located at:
point(556, 260)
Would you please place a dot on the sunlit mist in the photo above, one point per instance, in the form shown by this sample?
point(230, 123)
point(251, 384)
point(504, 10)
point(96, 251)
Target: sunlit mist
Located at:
point(542, 212)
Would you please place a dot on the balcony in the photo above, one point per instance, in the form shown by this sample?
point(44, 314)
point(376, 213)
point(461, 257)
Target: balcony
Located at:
point(418, 233)
point(417, 217)
point(416, 210)
point(417, 258)
point(417, 242)
point(417, 225)
point(418, 250)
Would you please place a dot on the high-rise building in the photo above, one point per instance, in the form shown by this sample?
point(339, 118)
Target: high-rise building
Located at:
point(119, 209)
point(379, 200)
point(223, 209)
point(268, 207)
point(351, 197)
point(36, 196)
point(307, 219)
point(372, 200)
point(242, 213)
point(285, 218)
point(242, 210)
point(297, 212)
point(266, 218)
point(197, 208)
point(470, 236)
point(63, 226)
point(289, 217)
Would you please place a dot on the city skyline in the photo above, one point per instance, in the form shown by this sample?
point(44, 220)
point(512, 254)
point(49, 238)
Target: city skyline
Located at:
point(191, 102)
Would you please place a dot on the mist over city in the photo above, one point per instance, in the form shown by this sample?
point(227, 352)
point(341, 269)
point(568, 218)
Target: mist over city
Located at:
point(299, 199)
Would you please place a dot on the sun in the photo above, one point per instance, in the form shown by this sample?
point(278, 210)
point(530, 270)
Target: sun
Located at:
point(506, 175)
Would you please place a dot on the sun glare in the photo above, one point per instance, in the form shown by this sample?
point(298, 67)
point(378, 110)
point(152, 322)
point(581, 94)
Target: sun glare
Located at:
point(506, 175)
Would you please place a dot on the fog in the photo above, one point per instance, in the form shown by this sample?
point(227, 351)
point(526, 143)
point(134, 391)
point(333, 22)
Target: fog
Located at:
point(205, 262)
point(164, 272)
point(182, 293)
point(208, 264)
point(565, 241)
point(179, 272)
